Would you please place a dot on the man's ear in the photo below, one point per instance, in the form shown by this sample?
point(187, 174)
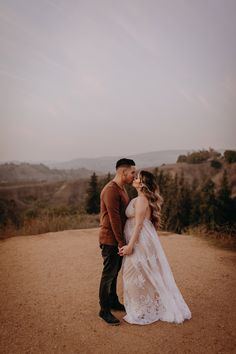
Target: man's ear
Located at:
point(124, 172)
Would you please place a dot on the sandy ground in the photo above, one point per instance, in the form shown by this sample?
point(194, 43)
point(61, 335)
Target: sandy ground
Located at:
point(49, 298)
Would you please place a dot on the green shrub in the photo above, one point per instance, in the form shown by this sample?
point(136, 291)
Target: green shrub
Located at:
point(230, 156)
point(216, 164)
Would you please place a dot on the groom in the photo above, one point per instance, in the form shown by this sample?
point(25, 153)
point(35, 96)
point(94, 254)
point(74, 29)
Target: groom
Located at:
point(114, 200)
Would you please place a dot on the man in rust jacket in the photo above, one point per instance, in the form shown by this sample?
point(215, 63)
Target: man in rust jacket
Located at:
point(114, 200)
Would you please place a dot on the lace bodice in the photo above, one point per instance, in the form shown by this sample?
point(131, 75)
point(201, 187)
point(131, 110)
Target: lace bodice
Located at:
point(130, 210)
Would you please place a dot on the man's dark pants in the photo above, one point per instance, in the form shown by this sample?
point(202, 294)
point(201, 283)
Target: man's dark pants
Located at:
point(111, 265)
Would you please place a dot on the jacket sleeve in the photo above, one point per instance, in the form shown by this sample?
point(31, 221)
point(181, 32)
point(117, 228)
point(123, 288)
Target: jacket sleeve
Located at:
point(112, 201)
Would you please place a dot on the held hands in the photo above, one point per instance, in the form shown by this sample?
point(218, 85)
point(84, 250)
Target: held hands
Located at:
point(125, 250)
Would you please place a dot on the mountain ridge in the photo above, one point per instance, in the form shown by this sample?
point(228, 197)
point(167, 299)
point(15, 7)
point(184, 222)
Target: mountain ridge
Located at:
point(105, 164)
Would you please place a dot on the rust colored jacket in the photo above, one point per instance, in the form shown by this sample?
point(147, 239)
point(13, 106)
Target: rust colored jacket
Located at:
point(114, 201)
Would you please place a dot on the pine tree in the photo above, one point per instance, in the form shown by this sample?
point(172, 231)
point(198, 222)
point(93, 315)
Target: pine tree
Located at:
point(208, 207)
point(180, 206)
point(104, 181)
point(195, 213)
point(170, 209)
point(108, 177)
point(156, 173)
point(165, 184)
point(93, 196)
point(224, 202)
point(230, 156)
point(184, 205)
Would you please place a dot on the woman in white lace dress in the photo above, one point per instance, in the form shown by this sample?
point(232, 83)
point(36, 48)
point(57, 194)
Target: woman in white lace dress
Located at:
point(150, 291)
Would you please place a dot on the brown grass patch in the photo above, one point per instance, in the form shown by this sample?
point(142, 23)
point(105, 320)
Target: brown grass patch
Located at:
point(224, 238)
point(51, 223)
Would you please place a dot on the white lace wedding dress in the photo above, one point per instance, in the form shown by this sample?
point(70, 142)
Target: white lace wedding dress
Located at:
point(150, 291)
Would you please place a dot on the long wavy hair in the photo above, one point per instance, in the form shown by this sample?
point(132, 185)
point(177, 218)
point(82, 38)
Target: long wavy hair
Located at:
point(151, 191)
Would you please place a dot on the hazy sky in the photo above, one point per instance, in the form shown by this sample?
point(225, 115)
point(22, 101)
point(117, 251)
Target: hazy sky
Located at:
point(94, 78)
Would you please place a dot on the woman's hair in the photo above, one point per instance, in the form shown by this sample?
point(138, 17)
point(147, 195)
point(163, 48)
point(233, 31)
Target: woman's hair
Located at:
point(150, 189)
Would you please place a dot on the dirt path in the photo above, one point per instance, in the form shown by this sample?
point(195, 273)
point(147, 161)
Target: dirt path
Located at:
point(49, 298)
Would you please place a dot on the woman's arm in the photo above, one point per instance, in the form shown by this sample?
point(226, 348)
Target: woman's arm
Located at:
point(141, 206)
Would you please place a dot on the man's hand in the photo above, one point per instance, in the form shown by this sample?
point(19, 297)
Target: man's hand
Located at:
point(125, 250)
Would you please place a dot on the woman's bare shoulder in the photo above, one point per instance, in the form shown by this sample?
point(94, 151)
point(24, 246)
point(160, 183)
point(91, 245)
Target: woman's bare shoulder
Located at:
point(142, 199)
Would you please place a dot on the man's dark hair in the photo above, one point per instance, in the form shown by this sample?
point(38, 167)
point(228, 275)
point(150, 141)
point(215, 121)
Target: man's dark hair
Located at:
point(125, 163)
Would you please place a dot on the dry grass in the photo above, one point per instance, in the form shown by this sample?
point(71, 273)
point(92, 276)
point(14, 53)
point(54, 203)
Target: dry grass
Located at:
point(223, 239)
point(51, 223)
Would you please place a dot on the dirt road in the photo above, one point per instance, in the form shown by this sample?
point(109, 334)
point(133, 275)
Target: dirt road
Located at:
point(49, 298)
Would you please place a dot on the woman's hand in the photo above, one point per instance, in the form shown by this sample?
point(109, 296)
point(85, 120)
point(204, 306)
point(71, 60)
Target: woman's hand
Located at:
point(126, 250)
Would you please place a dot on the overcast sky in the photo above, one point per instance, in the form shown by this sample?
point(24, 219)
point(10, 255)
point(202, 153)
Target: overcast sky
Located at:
point(96, 78)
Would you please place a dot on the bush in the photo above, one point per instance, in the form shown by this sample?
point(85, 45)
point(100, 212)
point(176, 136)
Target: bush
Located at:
point(230, 156)
point(194, 157)
point(216, 164)
point(182, 158)
point(199, 156)
point(31, 213)
point(9, 212)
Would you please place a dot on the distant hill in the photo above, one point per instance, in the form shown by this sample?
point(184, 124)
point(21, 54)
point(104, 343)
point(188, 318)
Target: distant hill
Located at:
point(107, 163)
point(45, 194)
point(26, 172)
point(83, 168)
point(73, 192)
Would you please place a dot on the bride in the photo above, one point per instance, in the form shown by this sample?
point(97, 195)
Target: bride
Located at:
point(150, 291)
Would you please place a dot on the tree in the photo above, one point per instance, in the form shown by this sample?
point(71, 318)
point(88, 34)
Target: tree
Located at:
point(195, 213)
point(216, 164)
point(3, 213)
point(182, 158)
point(104, 181)
point(9, 212)
point(179, 205)
point(230, 156)
point(208, 207)
point(199, 156)
point(93, 196)
point(108, 177)
point(164, 182)
point(170, 211)
point(225, 207)
point(184, 206)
